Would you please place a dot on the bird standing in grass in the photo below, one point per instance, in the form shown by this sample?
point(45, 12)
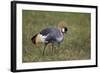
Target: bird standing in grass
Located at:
point(50, 35)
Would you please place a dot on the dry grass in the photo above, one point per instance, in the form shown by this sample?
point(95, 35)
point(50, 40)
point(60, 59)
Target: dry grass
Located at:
point(76, 44)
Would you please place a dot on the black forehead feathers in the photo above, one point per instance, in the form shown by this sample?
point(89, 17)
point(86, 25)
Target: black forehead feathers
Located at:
point(66, 29)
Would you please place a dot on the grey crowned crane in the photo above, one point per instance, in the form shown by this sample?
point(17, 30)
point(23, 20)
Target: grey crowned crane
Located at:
point(49, 35)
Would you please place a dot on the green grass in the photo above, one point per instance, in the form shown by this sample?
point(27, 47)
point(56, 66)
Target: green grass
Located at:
point(76, 44)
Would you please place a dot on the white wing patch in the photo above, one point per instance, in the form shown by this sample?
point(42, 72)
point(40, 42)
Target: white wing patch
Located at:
point(43, 37)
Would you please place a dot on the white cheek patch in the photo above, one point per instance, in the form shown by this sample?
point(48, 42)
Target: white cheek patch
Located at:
point(63, 30)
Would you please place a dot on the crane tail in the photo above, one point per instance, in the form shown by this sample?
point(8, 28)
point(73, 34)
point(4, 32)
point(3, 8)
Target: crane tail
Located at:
point(34, 39)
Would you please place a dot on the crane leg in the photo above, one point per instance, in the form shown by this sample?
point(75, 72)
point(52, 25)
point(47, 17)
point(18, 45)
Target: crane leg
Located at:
point(52, 47)
point(44, 49)
point(59, 45)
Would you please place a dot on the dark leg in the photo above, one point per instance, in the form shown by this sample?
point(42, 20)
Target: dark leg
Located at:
point(52, 47)
point(44, 48)
point(59, 45)
point(58, 48)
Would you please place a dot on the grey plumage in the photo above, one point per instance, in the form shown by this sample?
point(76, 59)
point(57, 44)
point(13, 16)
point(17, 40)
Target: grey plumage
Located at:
point(51, 35)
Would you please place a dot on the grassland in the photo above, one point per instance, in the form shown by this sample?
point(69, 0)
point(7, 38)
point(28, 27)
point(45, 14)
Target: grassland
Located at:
point(76, 44)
